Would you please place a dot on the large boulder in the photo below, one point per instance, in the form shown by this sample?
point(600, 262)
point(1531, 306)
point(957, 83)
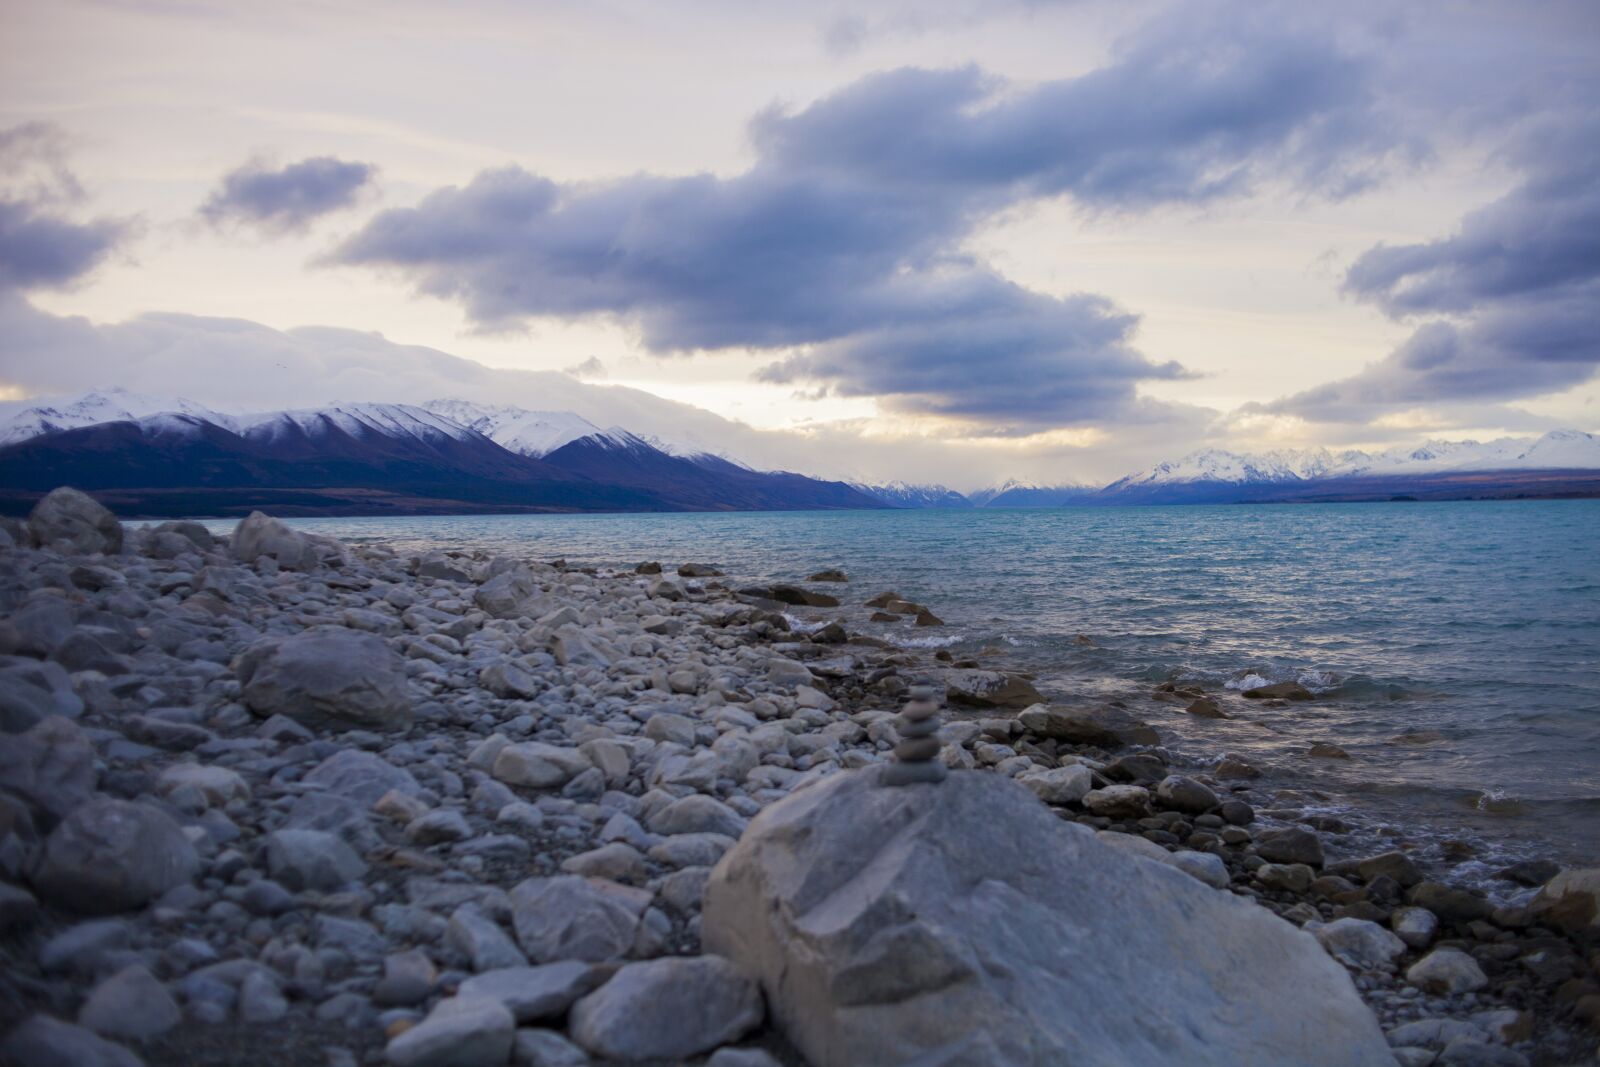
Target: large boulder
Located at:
point(260, 536)
point(113, 855)
point(989, 689)
point(333, 676)
point(509, 595)
point(1101, 727)
point(964, 923)
point(74, 523)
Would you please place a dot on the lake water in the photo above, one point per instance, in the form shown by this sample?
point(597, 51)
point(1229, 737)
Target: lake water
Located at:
point(1475, 624)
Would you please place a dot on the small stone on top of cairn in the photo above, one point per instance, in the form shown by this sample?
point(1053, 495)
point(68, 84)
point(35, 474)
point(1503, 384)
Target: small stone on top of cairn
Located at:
point(916, 757)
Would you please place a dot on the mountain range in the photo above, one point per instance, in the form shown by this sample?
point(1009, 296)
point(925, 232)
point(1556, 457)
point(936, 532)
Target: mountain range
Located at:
point(162, 456)
point(171, 456)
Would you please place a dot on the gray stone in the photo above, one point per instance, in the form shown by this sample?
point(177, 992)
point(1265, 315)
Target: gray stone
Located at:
point(50, 767)
point(698, 814)
point(480, 940)
point(312, 859)
point(38, 627)
point(573, 918)
point(1177, 793)
point(1417, 927)
point(438, 826)
point(408, 978)
point(260, 536)
point(989, 689)
point(1475, 1054)
point(72, 522)
point(1447, 971)
point(1060, 785)
point(1119, 801)
point(361, 776)
point(81, 948)
point(742, 1057)
point(507, 680)
point(1102, 727)
point(1358, 943)
point(1396, 865)
point(41, 1041)
point(546, 1048)
point(217, 785)
point(1571, 900)
point(330, 676)
point(535, 993)
point(507, 596)
point(1290, 845)
point(112, 855)
point(458, 1032)
point(260, 999)
point(667, 1009)
point(1204, 866)
point(966, 923)
point(537, 765)
point(130, 1004)
point(32, 691)
point(18, 907)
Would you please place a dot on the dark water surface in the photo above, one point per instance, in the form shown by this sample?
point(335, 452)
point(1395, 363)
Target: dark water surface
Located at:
point(1473, 624)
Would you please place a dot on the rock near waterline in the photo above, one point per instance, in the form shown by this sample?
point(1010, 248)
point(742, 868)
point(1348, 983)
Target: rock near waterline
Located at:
point(964, 923)
point(74, 523)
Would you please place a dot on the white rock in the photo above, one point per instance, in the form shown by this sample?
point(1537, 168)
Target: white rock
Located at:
point(1447, 971)
point(1060, 785)
point(965, 922)
point(312, 859)
point(1119, 801)
point(1358, 943)
point(1417, 927)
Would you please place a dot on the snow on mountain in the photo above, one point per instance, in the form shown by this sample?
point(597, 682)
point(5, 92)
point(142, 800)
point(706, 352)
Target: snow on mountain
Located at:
point(906, 495)
point(528, 433)
point(21, 420)
point(356, 420)
point(1556, 450)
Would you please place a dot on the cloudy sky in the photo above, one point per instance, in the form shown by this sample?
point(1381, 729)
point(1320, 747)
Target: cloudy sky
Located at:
point(955, 241)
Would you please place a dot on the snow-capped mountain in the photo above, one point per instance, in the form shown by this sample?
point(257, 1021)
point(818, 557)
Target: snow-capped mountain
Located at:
point(527, 433)
point(170, 456)
point(906, 495)
point(20, 420)
point(1556, 450)
point(1015, 493)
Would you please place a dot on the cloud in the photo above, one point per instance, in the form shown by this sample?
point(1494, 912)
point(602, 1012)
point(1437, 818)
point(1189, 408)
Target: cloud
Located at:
point(591, 369)
point(40, 248)
point(1511, 301)
point(840, 251)
point(289, 199)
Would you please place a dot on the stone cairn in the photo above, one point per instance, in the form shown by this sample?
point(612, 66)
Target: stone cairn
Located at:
point(916, 757)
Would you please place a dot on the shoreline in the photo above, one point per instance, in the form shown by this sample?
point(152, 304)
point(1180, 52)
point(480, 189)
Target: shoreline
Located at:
point(617, 695)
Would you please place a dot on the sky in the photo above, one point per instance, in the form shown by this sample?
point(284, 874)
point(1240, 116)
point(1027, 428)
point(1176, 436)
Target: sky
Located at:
point(951, 242)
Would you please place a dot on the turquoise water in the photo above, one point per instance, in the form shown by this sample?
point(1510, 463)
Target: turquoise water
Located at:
point(1479, 621)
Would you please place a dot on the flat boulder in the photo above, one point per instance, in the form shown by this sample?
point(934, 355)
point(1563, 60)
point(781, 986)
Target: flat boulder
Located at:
point(328, 677)
point(74, 523)
point(964, 923)
point(1102, 727)
point(667, 1009)
point(989, 689)
point(113, 855)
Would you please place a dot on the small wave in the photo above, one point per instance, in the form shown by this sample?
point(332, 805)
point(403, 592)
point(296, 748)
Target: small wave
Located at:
point(802, 626)
point(1499, 802)
point(1247, 683)
point(930, 641)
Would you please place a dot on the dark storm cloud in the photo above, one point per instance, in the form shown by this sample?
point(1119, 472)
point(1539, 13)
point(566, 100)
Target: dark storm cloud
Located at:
point(842, 244)
point(39, 246)
point(288, 199)
point(1511, 301)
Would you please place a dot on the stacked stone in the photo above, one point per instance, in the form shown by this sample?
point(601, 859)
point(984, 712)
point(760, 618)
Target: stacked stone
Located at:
point(916, 757)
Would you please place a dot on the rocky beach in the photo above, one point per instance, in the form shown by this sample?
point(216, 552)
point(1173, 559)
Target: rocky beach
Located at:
point(270, 798)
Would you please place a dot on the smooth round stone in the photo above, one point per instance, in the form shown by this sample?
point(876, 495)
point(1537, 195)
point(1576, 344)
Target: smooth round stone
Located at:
point(915, 711)
point(914, 773)
point(920, 728)
point(917, 749)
